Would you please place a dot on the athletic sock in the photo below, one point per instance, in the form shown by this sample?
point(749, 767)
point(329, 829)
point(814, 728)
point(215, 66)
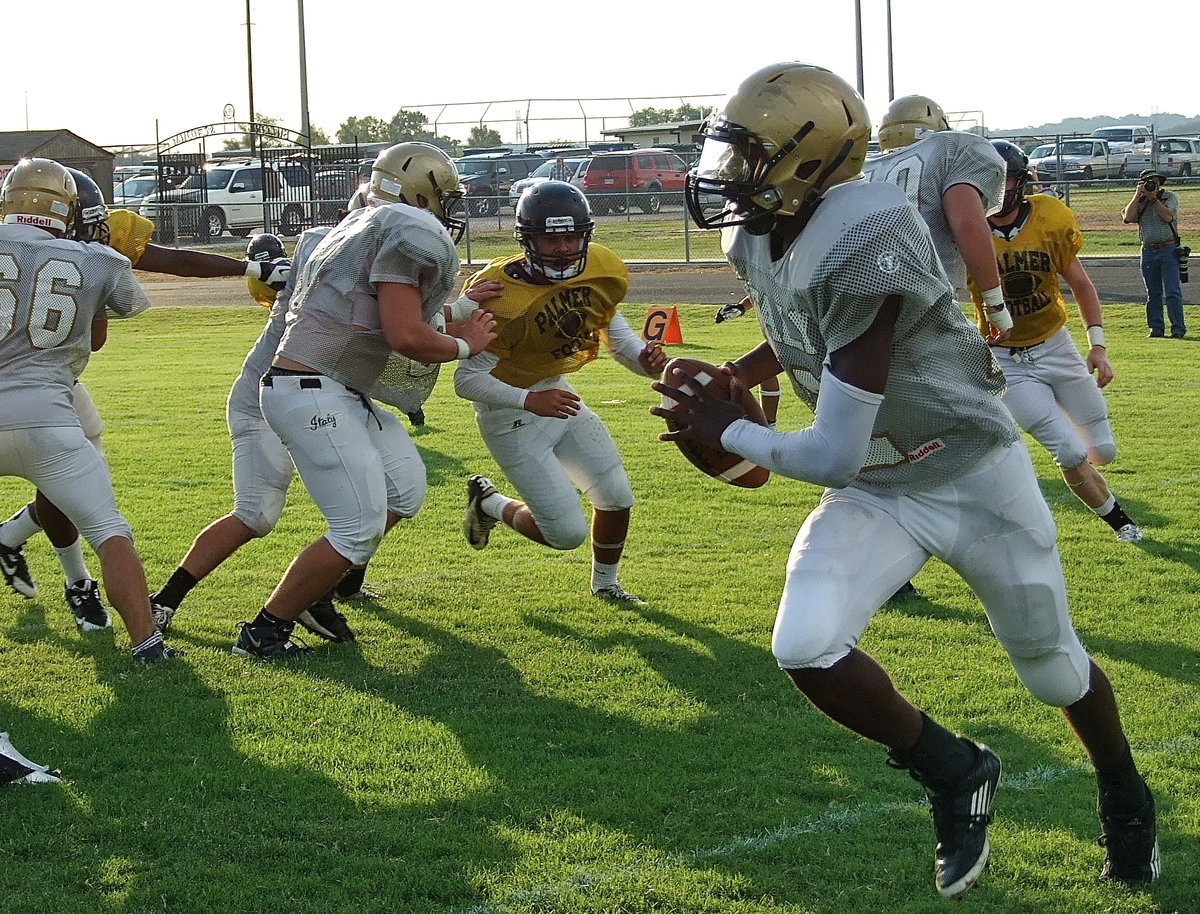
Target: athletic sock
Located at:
point(939, 758)
point(351, 582)
point(19, 528)
point(71, 559)
point(265, 618)
point(604, 575)
point(1122, 789)
point(177, 587)
point(1113, 514)
point(494, 505)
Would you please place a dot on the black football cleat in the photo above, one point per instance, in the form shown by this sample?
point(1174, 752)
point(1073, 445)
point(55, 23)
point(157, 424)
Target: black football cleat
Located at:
point(1130, 842)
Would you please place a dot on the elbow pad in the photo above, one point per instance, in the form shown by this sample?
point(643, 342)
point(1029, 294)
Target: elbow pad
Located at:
point(830, 452)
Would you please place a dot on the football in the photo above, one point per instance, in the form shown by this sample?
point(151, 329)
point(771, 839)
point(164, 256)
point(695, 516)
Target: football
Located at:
point(715, 462)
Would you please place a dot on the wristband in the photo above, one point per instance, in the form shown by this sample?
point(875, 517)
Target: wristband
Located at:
point(464, 348)
point(254, 270)
point(993, 299)
point(1095, 336)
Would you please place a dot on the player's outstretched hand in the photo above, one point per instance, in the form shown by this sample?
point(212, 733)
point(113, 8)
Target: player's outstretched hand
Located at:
point(485, 291)
point(275, 273)
point(697, 414)
point(478, 329)
point(553, 403)
point(728, 312)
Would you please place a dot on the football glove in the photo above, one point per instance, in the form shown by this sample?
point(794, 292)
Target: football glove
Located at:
point(273, 273)
point(728, 312)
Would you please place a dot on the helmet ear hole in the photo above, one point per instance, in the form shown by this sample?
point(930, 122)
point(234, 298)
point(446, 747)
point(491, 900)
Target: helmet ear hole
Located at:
point(806, 170)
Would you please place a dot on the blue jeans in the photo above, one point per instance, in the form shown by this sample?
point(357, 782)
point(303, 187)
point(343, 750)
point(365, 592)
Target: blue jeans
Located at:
point(1160, 271)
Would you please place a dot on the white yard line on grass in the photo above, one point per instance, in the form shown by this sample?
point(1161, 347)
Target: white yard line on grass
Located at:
point(1034, 778)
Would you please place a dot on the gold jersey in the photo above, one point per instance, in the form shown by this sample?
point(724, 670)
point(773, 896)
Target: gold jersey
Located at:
point(1042, 246)
point(129, 233)
point(544, 331)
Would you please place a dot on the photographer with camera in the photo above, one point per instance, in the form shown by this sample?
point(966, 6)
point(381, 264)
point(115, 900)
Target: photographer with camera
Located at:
point(1155, 211)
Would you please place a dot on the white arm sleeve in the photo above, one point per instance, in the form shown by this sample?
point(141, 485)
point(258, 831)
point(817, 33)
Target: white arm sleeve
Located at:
point(626, 345)
point(473, 380)
point(830, 452)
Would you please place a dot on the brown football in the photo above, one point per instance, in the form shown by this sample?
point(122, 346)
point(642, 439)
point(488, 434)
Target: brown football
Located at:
point(715, 462)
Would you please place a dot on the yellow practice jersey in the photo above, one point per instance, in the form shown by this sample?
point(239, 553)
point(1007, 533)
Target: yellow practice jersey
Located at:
point(543, 331)
point(1042, 247)
point(129, 233)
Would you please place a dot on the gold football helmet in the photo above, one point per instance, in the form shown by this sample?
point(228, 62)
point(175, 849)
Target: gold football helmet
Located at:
point(789, 133)
point(408, 172)
point(908, 119)
point(39, 192)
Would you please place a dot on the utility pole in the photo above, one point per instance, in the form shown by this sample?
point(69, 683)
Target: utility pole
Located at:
point(250, 77)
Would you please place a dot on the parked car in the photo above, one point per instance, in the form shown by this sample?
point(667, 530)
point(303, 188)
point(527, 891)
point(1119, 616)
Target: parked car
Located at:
point(542, 173)
point(332, 187)
point(1131, 141)
point(489, 176)
point(130, 193)
point(1177, 155)
point(226, 195)
point(644, 177)
point(1079, 160)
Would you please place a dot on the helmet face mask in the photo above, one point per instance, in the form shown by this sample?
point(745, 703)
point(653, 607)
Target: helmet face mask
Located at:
point(91, 213)
point(39, 192)
point(810, 133)
point(412, 172)
point(557, 211)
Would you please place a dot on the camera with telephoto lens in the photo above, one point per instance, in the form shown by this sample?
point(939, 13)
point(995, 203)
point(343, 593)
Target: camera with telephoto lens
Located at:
point(1182, 253)
point(1151, 185)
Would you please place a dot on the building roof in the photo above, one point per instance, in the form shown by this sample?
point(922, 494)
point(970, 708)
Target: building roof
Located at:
point(16, 144)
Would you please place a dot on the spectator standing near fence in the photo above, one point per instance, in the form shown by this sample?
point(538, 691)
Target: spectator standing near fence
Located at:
point(1155, 211)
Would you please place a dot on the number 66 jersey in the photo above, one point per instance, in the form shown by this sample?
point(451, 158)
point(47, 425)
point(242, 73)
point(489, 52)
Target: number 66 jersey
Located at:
point(51, 290)
point(865, 243)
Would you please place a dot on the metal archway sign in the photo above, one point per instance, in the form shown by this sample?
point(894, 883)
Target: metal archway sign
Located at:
point(253, 128)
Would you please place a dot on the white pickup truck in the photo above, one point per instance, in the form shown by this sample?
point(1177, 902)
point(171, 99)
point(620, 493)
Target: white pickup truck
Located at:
point(1076, 160)
point(1133, 141)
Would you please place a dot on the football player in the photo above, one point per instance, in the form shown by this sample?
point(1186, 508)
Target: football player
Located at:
point(559, 303)
point(919, 456)
point(1051, 392)
point(58, 295)
point(372, 287)
point(129, 234)
point(262, 469)
point(952, 178)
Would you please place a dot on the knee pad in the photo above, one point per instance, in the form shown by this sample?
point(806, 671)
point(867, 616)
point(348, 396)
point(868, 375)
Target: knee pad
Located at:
point(261, 518)
point(406, 504)
point(612, 492)
point(807, 635)
point(358, 546)
point(1103, 453)
point(1058, 677)
point(566, 532)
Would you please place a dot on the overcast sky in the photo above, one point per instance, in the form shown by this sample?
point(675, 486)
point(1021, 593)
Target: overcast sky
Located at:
point(112, 72)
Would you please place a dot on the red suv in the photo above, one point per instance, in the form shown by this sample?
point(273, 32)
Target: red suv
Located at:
point(642, 177)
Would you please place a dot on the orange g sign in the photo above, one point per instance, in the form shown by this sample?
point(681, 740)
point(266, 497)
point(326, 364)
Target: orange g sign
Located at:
point(662, 326)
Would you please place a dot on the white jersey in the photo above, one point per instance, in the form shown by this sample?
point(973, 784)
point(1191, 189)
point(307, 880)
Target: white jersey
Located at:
point(51, 290)
point(333, 321)
point(927, 169)
point(941, 412)
point(243, 395)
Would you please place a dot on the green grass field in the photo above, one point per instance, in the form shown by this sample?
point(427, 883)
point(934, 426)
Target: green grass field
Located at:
point(498, 741)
